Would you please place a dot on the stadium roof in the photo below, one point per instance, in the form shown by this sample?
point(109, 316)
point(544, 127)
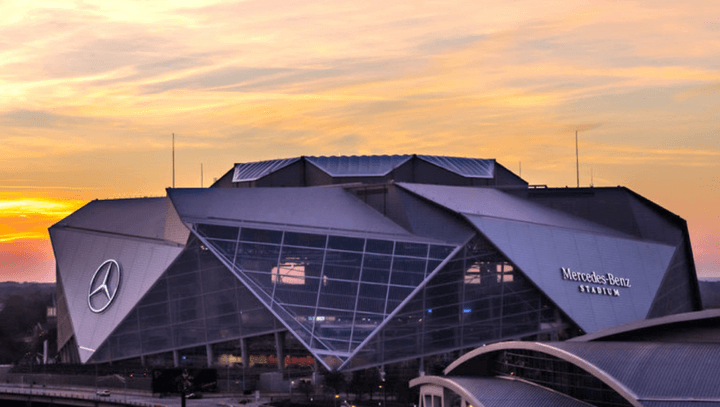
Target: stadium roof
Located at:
point(365, 166)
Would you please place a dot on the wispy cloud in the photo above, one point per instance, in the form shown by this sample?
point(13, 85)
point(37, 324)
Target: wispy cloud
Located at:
point(93, 90)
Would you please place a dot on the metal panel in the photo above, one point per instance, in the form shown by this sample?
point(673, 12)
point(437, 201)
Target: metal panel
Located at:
point(318, 207)
point(498, 392)
point(142, 217)
point(497, 204)
point(256, 170)
point(541, 251)
point(359, 166)
point(672, 371)
point(467, 167)
point(141, 263)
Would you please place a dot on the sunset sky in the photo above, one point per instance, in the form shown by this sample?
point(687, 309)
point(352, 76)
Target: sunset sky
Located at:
point(91, 91)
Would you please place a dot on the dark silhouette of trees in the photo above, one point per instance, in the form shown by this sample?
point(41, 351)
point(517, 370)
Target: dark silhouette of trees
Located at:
point(335, 381)
point(21, 326)
point(365, 382)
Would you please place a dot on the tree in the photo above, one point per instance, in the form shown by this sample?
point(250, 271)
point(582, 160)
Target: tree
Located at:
point(306, 387)
point(335, 380)
point(365, 381)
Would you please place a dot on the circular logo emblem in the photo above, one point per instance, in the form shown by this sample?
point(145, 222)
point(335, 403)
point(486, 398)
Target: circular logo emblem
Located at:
point(104, 286)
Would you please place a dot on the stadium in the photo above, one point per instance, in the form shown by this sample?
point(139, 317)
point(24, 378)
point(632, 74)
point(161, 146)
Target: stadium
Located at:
point(356, 262)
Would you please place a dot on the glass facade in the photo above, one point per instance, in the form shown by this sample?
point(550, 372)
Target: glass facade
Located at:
point(333, 291)
point(478, 297)
point(196, 301)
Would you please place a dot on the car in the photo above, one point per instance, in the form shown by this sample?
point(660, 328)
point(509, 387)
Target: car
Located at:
point(103, 393)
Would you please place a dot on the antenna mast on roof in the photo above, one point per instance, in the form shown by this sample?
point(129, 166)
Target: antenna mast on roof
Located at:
point(577, 160)
point(201, 176)
point(173, 159)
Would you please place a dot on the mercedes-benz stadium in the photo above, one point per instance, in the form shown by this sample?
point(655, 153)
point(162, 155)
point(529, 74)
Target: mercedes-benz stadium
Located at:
point(352, 262)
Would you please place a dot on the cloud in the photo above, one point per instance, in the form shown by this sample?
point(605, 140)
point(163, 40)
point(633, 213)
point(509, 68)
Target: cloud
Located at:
point(92, 91)
point(27, 260)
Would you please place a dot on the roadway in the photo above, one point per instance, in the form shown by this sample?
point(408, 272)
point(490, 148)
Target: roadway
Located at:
point(88, 397)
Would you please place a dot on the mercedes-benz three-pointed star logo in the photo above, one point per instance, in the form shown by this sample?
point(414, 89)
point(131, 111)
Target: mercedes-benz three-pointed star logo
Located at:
point(101, 295)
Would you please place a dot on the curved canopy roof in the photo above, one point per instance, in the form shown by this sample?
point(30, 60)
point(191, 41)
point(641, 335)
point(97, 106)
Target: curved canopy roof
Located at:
point(640, 371)
point(500, 392)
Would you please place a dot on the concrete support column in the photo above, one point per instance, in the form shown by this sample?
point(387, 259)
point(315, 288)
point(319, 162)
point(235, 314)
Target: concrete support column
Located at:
point(244, 354)
point(209, 354)
point(176, 358)
point(279, 350)
point(142, 360)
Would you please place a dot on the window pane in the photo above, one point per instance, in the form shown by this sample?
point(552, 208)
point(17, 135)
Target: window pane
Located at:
point(153, 316)
point(338, 294)
point(372, 298)
point(218, 232)
point(411, 249)
point(440, 252)
point(342, 273)
point(346, 243)
point(343, 258)
point(376, 268)
point(220, 303)
point(156, 339)
point(307, 260)
point(260, 235)
point(257, 257)
point(305, 294)
point(379, 246)
point(415, 266)
point(304, 239)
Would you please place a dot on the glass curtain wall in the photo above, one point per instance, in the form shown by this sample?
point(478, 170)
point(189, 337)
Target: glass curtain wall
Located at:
point(333, 291)
point(478, 297)
point(196, 301)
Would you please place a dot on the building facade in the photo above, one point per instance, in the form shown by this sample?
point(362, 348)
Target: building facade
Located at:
point(357, 262)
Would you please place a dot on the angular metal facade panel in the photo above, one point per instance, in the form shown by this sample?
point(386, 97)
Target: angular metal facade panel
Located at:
point(359, 166)
point(79, 255)
point(320, 207)
point(256, 170)
point(497, 204)
point(467, 167)
point(142, 217)
point(676, 294)
point(541, 252)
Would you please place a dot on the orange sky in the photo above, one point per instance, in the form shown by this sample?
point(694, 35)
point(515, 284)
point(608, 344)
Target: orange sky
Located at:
point(91, 91)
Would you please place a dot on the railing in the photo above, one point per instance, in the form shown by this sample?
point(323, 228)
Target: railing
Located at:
point(71, 396)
